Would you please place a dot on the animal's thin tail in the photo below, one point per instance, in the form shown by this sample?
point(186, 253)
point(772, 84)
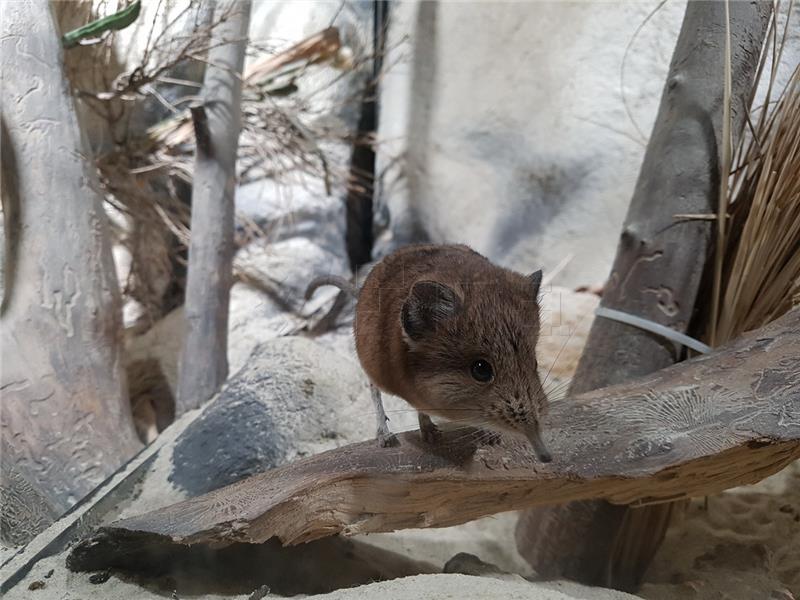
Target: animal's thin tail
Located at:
point(347, 289)
point(334, 280)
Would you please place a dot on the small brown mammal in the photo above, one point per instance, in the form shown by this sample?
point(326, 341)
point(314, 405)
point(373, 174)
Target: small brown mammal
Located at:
point(455, 336)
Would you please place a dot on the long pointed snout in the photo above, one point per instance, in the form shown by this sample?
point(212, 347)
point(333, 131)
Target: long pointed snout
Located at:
point(535, 438)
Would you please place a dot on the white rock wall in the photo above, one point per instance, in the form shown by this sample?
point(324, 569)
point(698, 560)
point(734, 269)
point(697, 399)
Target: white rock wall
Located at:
point(503, 125)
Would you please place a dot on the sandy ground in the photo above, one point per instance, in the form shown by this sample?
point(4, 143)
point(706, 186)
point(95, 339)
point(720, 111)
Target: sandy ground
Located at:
point(745, 545)
point(457, 587)
point(490, 539)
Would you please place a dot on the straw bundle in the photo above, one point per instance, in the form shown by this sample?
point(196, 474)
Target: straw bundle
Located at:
point(759, 273)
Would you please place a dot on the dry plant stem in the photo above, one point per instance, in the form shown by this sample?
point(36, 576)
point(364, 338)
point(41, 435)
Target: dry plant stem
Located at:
point(66, 423)
point(147, 198)
point(204, 361)
point(725, 168)
point(318, 47)
point(177, 130)
point(723, 420)
point(761, 274)
point(656, 275)
point(145, 177)
point(164, 52)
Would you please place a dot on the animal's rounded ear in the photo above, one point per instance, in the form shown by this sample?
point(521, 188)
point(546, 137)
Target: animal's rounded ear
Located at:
point(429, 304)
point(536, 282)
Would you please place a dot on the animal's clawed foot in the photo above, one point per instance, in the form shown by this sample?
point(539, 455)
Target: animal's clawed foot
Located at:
point(431, 434)
point(386, 439)
point(428, 430)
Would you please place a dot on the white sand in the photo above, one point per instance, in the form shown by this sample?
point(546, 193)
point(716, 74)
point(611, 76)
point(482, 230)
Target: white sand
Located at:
point(746, 545)
point(491, 539)
point(460, 587)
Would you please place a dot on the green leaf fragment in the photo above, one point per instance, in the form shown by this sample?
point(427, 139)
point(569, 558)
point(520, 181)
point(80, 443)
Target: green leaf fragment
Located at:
point(115, 22)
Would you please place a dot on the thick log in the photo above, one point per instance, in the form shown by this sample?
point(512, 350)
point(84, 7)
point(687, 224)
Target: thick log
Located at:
point(204, 359)
point(66, 421)
point(656, 275)
point(703, 426)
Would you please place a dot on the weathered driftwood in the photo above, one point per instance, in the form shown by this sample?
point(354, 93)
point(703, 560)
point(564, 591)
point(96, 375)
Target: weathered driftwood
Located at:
point(656, 275)
point(700, 427)
point(204, 359)
point(66, 421)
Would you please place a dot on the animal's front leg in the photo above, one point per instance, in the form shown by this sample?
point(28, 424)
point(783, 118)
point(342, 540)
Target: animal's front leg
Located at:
point(384, 436)
point(428, 430)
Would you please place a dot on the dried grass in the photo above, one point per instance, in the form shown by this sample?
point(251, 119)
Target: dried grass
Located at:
point(759, 270)
point(146, 173)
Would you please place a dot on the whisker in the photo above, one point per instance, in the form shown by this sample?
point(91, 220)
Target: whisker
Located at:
point(551, 385)
point(398, 410)
point(555, 360)
point(564, 345)
point(556, 389)
point(481, 435)
point(469, 421)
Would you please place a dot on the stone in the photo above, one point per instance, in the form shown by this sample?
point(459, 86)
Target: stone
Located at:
point(293, 397)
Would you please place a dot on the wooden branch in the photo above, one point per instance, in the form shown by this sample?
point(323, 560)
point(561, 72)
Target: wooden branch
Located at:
point(656, 275)
point(66, 420)
point(204, 359)
point(696, 428)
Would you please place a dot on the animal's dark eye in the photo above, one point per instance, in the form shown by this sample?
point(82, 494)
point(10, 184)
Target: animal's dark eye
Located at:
point(482, 371)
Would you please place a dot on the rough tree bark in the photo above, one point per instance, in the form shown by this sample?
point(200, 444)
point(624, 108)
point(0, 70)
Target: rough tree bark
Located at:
point(656, 275)
point(66, 422)
point(204, 359)
point(700, 427)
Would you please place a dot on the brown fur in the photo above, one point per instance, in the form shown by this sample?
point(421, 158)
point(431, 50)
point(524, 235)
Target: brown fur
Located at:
point(469, 310)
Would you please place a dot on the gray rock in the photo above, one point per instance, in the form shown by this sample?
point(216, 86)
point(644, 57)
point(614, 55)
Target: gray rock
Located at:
point(469, 564)
point(287, 266)
point(292, 398)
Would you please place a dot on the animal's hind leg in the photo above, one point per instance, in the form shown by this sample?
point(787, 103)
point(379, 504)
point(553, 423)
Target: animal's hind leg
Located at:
point(384, 436)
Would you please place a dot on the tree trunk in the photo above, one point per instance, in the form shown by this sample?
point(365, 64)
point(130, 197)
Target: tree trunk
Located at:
point(204, 360)
point(66, 422)
point(700, 427)
point(656, 275)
